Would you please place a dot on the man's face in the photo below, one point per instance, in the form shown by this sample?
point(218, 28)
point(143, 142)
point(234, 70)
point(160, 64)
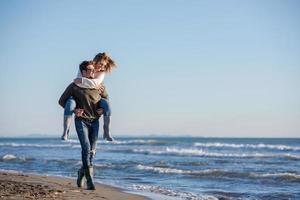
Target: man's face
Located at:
point(100, 66)
point(89, 72)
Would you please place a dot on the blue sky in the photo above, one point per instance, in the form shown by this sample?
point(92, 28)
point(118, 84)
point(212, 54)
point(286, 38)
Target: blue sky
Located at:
point(198, 68)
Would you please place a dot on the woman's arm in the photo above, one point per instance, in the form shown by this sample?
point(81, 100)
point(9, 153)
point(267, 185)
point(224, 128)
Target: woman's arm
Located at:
point(89, 83)
point(93, 83)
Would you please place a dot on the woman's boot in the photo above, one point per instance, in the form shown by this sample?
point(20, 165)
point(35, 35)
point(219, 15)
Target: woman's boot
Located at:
point(67, 125)
point(106, 128)
point(80, 178)
point(89, 178)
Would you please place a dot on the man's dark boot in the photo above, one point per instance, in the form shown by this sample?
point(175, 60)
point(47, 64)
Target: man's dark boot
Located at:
point(80, 178)
point(89, 178)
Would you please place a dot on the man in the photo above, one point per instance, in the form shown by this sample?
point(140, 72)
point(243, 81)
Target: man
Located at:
point(87, 114)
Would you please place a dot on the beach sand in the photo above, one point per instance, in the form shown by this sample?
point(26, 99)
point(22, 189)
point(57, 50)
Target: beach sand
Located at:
point(27, 186)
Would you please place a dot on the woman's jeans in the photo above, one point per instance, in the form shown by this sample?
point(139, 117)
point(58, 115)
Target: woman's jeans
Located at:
point(71, 105)
point(68, 112)
point(104, 104)
point(88, 135)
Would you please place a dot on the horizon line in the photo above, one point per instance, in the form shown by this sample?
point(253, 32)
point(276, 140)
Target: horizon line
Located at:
point(151, 136)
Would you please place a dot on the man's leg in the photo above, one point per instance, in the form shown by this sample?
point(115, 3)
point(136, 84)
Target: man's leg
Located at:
point(93, 137)
point(82, 129)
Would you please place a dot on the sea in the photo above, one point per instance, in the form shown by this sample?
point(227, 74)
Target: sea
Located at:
point(170, 167)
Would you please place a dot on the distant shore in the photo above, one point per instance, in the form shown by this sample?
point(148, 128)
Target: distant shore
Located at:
point(19, 186)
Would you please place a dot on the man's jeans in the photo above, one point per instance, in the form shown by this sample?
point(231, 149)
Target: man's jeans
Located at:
point(87, 134)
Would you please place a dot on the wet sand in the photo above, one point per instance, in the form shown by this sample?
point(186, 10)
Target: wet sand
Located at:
point(27, 186)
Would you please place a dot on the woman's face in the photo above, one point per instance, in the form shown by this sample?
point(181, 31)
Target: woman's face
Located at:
point(100, 66)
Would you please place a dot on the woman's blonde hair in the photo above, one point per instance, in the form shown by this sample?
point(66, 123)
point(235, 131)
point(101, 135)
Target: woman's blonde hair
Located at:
point(103, 56)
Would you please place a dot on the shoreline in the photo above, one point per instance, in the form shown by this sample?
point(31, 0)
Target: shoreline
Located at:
point(17, 185)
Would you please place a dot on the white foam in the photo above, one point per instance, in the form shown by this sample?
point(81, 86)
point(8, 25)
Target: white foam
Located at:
point(171, 193)
point(104, 166)
point(115, 142)
point(9, 157)
point(71, 141)
point(218, 172)
point(278, 175)
point(76, 146)
point(10, 171)
point(254, 146)
point(201, 152)
point(135, 142)
point(165, 170)
point(35, 145)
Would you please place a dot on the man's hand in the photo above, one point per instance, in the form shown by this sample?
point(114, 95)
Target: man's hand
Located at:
point(78, 112)
point(101, 88)
point(77, 80)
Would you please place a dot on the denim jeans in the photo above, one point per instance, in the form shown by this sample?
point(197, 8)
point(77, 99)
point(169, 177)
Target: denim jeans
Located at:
point(69, 106)
point(87, 134)
point(104, 103)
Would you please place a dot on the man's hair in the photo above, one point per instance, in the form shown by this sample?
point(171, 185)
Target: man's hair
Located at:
point(103, 56)
point(84, 64)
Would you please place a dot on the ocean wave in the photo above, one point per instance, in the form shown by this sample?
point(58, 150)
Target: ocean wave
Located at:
point(36, 145)
point(120, 142)
point(76, 144)
point(115, 166)
point(253, 146)
point(219, 172)
point(104, 166)
point(170, 192)
point(135, 142)
point(201, 152)
point(72, 141)
point(11, 157)
point(10, 171)
point(69, 161)
point(166, 170)
point(284, 175)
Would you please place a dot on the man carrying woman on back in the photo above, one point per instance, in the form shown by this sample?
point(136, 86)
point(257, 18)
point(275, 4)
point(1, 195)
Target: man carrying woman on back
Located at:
point(88, 107)
point(103, 64)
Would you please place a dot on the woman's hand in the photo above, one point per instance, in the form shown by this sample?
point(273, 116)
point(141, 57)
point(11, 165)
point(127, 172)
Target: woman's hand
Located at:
point(101, 88)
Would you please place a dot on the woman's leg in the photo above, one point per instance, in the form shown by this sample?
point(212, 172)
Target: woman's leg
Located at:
point(68, 113)
point(104, 103)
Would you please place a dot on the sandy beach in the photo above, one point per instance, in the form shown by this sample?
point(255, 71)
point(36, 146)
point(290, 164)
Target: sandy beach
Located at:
point(27, 186)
